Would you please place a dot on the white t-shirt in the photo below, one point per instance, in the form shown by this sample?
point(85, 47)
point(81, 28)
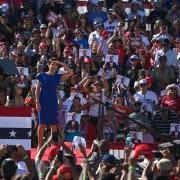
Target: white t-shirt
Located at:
point(110, 26)
point(92, 35)
point(170, 54)
point(22, 168)
point(148, 100)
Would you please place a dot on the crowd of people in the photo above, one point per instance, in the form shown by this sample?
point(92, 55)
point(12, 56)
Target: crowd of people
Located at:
point(104, 72)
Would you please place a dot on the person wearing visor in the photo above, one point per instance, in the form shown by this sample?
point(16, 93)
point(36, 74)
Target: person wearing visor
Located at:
point(134, 69)
point(147, 98)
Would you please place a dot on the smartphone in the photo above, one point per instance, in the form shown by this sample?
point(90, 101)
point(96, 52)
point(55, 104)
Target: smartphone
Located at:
point(129, 142)
point(157, 154)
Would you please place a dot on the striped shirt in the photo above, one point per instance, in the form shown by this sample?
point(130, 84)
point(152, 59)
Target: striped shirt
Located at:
point(161, 125)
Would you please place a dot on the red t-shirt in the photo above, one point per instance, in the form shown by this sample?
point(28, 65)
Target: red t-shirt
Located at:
point(147, 57)
point(125, 110)
point(173, 104)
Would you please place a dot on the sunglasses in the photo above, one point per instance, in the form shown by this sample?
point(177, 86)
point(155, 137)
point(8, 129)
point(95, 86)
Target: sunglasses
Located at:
point(173, 89)
point(143, 84)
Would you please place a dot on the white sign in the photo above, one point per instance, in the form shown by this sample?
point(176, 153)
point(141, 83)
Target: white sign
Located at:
point(84, 53)
point(137, 137)
point(175, 130)
point(122, 80)
point(23, 71)
point(79, 141)
point(74, 117)
point(112, 59)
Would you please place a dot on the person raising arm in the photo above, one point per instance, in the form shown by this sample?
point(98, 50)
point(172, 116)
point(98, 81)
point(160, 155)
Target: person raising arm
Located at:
point(46, 97)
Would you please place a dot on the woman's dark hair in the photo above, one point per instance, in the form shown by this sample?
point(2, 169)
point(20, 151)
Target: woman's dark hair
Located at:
point(9, 150)
point(72, 107)
point(54, 60)
point(8, 168)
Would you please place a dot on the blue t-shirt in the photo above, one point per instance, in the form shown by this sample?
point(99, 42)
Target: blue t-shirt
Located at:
point(97, 16)
point(83, 43)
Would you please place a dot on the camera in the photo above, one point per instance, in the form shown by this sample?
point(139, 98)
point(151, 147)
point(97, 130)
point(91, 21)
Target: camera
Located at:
point(157, 154)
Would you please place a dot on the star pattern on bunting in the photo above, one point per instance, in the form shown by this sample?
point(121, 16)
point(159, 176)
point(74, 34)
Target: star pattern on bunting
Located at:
point(15, 133)
point(12, 133)
point(29, 134)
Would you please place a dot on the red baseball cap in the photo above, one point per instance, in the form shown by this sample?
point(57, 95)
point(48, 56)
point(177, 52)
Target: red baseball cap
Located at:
point(42, 45)
point(53, 151)
point(62, 170)
point(143, 149)
point(149, 79)
point(87, 60)
point(105, 34)
point(55, 177)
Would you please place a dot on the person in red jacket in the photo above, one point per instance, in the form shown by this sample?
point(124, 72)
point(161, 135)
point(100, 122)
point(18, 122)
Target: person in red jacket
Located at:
point(172, 99)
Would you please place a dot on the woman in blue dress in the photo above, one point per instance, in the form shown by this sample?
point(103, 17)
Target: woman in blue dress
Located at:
point(46, 97)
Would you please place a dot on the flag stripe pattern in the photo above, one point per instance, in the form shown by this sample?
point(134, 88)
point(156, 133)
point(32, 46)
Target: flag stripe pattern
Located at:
point(15, 126)
point(15, 133)
point(15, 112)
point(17, 122)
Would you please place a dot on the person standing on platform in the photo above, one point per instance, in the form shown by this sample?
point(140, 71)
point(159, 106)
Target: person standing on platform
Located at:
point(46, 97)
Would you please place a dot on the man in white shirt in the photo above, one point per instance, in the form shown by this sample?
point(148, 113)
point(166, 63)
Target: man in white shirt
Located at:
point(170, 54)
point(95, 35)
point(163, 33)
point(148, 99)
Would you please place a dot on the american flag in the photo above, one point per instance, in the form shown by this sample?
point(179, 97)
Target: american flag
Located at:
point(15, 126)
